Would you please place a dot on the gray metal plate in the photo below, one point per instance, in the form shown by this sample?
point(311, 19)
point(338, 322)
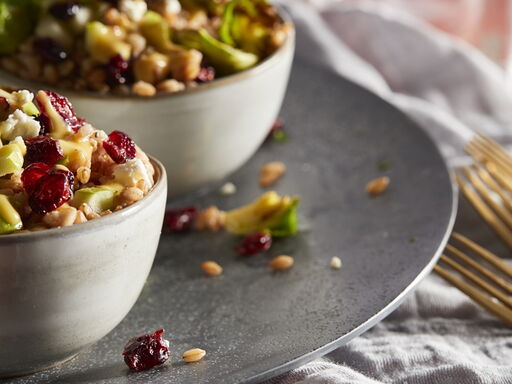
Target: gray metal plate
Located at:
point(256, 324)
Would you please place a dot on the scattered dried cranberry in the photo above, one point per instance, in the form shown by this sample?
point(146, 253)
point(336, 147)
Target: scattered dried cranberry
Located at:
point(180, 220)
point(206, 74)
point(63, 107)
point(254, 243)
point(64, 11)
point(146, 351)
point(4, 108)
point(50, 192)
point(120, 147)
point(49, 50)
point(118, 71)
point(44, 122)
point(43, 149)
point(32, 174)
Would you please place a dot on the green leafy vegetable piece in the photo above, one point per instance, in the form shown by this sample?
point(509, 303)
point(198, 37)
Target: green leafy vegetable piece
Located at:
point(269, 213)
point(228, 18)
point(383, 165)
point(156, 31)
point(223, 57)
point(280, 136)
point(286, 224)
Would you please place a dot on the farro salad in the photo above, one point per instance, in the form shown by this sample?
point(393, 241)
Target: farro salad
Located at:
point(135, 46)
point(57, 170)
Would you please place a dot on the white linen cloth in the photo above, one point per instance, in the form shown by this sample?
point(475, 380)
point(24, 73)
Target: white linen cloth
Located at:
point(437, 335)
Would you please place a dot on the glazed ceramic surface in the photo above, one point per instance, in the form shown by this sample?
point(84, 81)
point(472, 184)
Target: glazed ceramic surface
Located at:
point(255, 324)
point(65, 288)
point(200, 135)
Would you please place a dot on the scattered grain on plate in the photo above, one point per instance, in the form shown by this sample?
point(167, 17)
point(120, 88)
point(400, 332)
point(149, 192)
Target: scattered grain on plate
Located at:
point(281, 263)
point(211, 219)
point(193, 355)
point(271, 172)
point(211, 268)
point(228, 189)
point(377, 186)
point(336, 262)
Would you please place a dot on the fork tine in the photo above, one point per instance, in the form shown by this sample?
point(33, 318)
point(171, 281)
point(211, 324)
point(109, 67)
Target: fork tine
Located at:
point(494, 148)
point(497, 309)
point(504, 215)
point(477, 267)
point(498, 174)
point(478, 281)
point(492, 184)
point(493, 153)
point(488, 256)
point(485, 212)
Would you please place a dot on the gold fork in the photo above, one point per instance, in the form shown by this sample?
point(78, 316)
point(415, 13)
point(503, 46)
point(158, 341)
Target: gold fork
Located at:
point(487, 184)
point(492, 289)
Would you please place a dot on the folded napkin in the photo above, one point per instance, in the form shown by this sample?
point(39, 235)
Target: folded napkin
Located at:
point(438, 335)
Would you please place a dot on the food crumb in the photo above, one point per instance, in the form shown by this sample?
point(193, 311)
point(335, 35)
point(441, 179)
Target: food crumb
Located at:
point(281, 263)
point(193, 355)
point(211, 268)
point(228, 189)
point(211, 219)
point(271, 172)
point(377, 186)
point(336, 262)
point(383, 165)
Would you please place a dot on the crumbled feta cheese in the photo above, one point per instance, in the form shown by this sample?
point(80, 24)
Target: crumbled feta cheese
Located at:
point(172, 6)
point(228, 189)
point(336, 262)
point(129, 173)
point(19, 124)
point(134, 9)
point(22, 97)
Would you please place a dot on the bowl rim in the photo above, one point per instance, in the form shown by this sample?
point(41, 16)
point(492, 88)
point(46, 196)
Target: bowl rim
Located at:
point(261, 67)
point(159, 188)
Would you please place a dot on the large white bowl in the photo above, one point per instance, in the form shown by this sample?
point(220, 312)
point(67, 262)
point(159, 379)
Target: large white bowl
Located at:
point(65, 288)
point(203, 134)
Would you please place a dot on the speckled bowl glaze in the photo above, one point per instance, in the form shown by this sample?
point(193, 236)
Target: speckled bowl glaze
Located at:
point(62, 289)
point(202, 134)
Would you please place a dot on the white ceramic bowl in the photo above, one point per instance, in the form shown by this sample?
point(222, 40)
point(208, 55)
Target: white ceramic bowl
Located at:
point(62, 289)
point(203, 134)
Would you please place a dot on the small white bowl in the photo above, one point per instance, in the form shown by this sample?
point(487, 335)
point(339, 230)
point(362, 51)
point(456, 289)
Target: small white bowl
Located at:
point(63, 289)
point(202, 134)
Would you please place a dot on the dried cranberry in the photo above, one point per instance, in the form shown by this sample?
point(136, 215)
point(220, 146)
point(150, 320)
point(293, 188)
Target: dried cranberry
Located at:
point(43, 149)
point(146, 351)
point(4, 108)
point(49, 50)
point(206, 74)
point(68, 174)
point(32, 174)
point(120, 147)
point(118, 71)
point(180, 220)
point(50, 192)
point(63, 107)
point(64, 11)
point(254, 243)
point(44, 122)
